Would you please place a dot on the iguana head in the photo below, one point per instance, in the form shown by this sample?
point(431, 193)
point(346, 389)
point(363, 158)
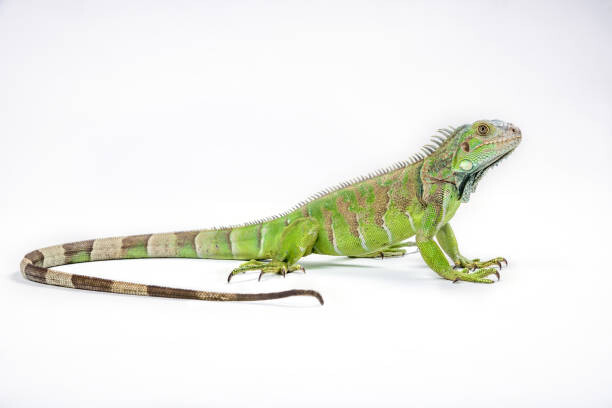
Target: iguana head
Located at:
point(481, 146)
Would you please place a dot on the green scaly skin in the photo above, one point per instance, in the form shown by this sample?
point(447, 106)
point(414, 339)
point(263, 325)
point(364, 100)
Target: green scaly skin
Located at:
point(370, 217)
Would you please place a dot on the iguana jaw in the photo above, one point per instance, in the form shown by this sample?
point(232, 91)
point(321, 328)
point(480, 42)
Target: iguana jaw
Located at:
point(466, 182)
point(508, 139)
point(478, 175)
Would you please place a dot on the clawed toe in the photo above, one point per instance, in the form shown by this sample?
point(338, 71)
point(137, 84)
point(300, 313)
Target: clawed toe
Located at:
point(273, 267)
point(475, 264)
point(480, 275)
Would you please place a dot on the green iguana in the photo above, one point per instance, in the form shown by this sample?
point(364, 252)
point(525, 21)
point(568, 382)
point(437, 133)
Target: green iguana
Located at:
point(371, 216)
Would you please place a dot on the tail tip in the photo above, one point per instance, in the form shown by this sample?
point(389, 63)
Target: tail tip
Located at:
point(317, 295)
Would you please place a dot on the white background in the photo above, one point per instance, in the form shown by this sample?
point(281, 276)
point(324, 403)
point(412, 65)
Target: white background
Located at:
point(122, 118)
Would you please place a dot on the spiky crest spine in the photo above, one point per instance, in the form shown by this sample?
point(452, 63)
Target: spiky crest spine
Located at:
point(436, 142)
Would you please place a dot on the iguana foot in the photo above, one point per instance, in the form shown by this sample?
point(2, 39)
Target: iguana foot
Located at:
point(276, 267)
point(478, 276)
point(476, 264)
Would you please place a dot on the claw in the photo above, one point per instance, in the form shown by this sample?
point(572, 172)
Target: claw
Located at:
point(231, 275)
point(498, 264)
point(382, 255)
point(497, 274)
point(276, 267)
point(456, 280)
point(504, 259)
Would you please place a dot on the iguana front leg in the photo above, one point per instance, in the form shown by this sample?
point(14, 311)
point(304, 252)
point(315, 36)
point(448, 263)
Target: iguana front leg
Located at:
point(390, 251)
point(448, 242)
point(296, 241)
point(433, 255)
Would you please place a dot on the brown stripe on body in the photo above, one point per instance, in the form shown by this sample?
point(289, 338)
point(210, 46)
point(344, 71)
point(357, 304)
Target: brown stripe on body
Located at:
point(80, 246)
point(135, 246)
point(229, 240)
point(35, 273)
point(400, 198)
point(362, 198)
point(328, 219)
point(259, 228)
point(92, 283)
point(23, 264)
point(161, 291)
point(134, 241)
point(186, 237)
point(381, 201)
point(75, 248)
point(349, 216)
point(36, 257)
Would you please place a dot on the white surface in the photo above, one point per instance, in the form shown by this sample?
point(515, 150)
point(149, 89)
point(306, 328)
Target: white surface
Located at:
point(147, 117)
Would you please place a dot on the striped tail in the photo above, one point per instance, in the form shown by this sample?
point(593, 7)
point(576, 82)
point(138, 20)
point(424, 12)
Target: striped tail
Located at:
point(36, 266)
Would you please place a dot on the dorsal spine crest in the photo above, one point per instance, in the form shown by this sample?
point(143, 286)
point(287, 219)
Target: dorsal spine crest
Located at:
point(436, 142)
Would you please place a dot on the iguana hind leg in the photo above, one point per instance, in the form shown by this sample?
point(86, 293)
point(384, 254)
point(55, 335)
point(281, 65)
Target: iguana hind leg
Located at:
point(390, 251)
point(296, 241)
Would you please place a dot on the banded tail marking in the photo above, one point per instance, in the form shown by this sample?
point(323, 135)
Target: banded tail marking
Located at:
point(35, 266)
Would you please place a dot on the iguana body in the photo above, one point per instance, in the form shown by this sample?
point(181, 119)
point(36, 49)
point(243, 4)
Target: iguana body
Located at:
point(368, 217)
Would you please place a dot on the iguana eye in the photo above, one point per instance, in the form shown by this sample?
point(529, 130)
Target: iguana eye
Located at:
point(483, 129)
